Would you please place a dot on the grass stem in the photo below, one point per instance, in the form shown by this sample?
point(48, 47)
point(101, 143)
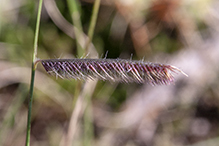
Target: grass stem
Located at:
point(33, 74)
point(88, 114)
point(74, 9)
point(92, 24)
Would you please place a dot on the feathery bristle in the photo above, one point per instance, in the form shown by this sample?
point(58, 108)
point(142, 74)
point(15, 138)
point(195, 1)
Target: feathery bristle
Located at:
point(114, 70)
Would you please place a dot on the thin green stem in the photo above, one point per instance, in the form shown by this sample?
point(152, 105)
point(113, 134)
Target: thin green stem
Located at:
point(74, 9)
point(92, 23)
point(33, 74)
point(30, 107)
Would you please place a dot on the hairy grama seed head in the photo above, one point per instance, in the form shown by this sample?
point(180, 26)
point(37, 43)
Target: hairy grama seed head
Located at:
point(113, 70)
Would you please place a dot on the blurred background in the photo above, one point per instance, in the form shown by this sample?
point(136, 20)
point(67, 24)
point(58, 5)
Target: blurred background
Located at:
point(183, 33)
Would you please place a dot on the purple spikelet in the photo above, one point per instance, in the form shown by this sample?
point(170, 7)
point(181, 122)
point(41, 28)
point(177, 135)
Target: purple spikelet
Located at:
point(114, 70)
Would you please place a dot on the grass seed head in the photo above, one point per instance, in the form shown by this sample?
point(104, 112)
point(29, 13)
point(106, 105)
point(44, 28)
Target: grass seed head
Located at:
point(113, 70)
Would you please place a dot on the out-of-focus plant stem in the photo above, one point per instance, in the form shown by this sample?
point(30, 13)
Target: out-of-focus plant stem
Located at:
point(74, 8)
point(75, 14)
point(92, 24)
point(34, 59)
point(88, 121)
point(88, 114)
